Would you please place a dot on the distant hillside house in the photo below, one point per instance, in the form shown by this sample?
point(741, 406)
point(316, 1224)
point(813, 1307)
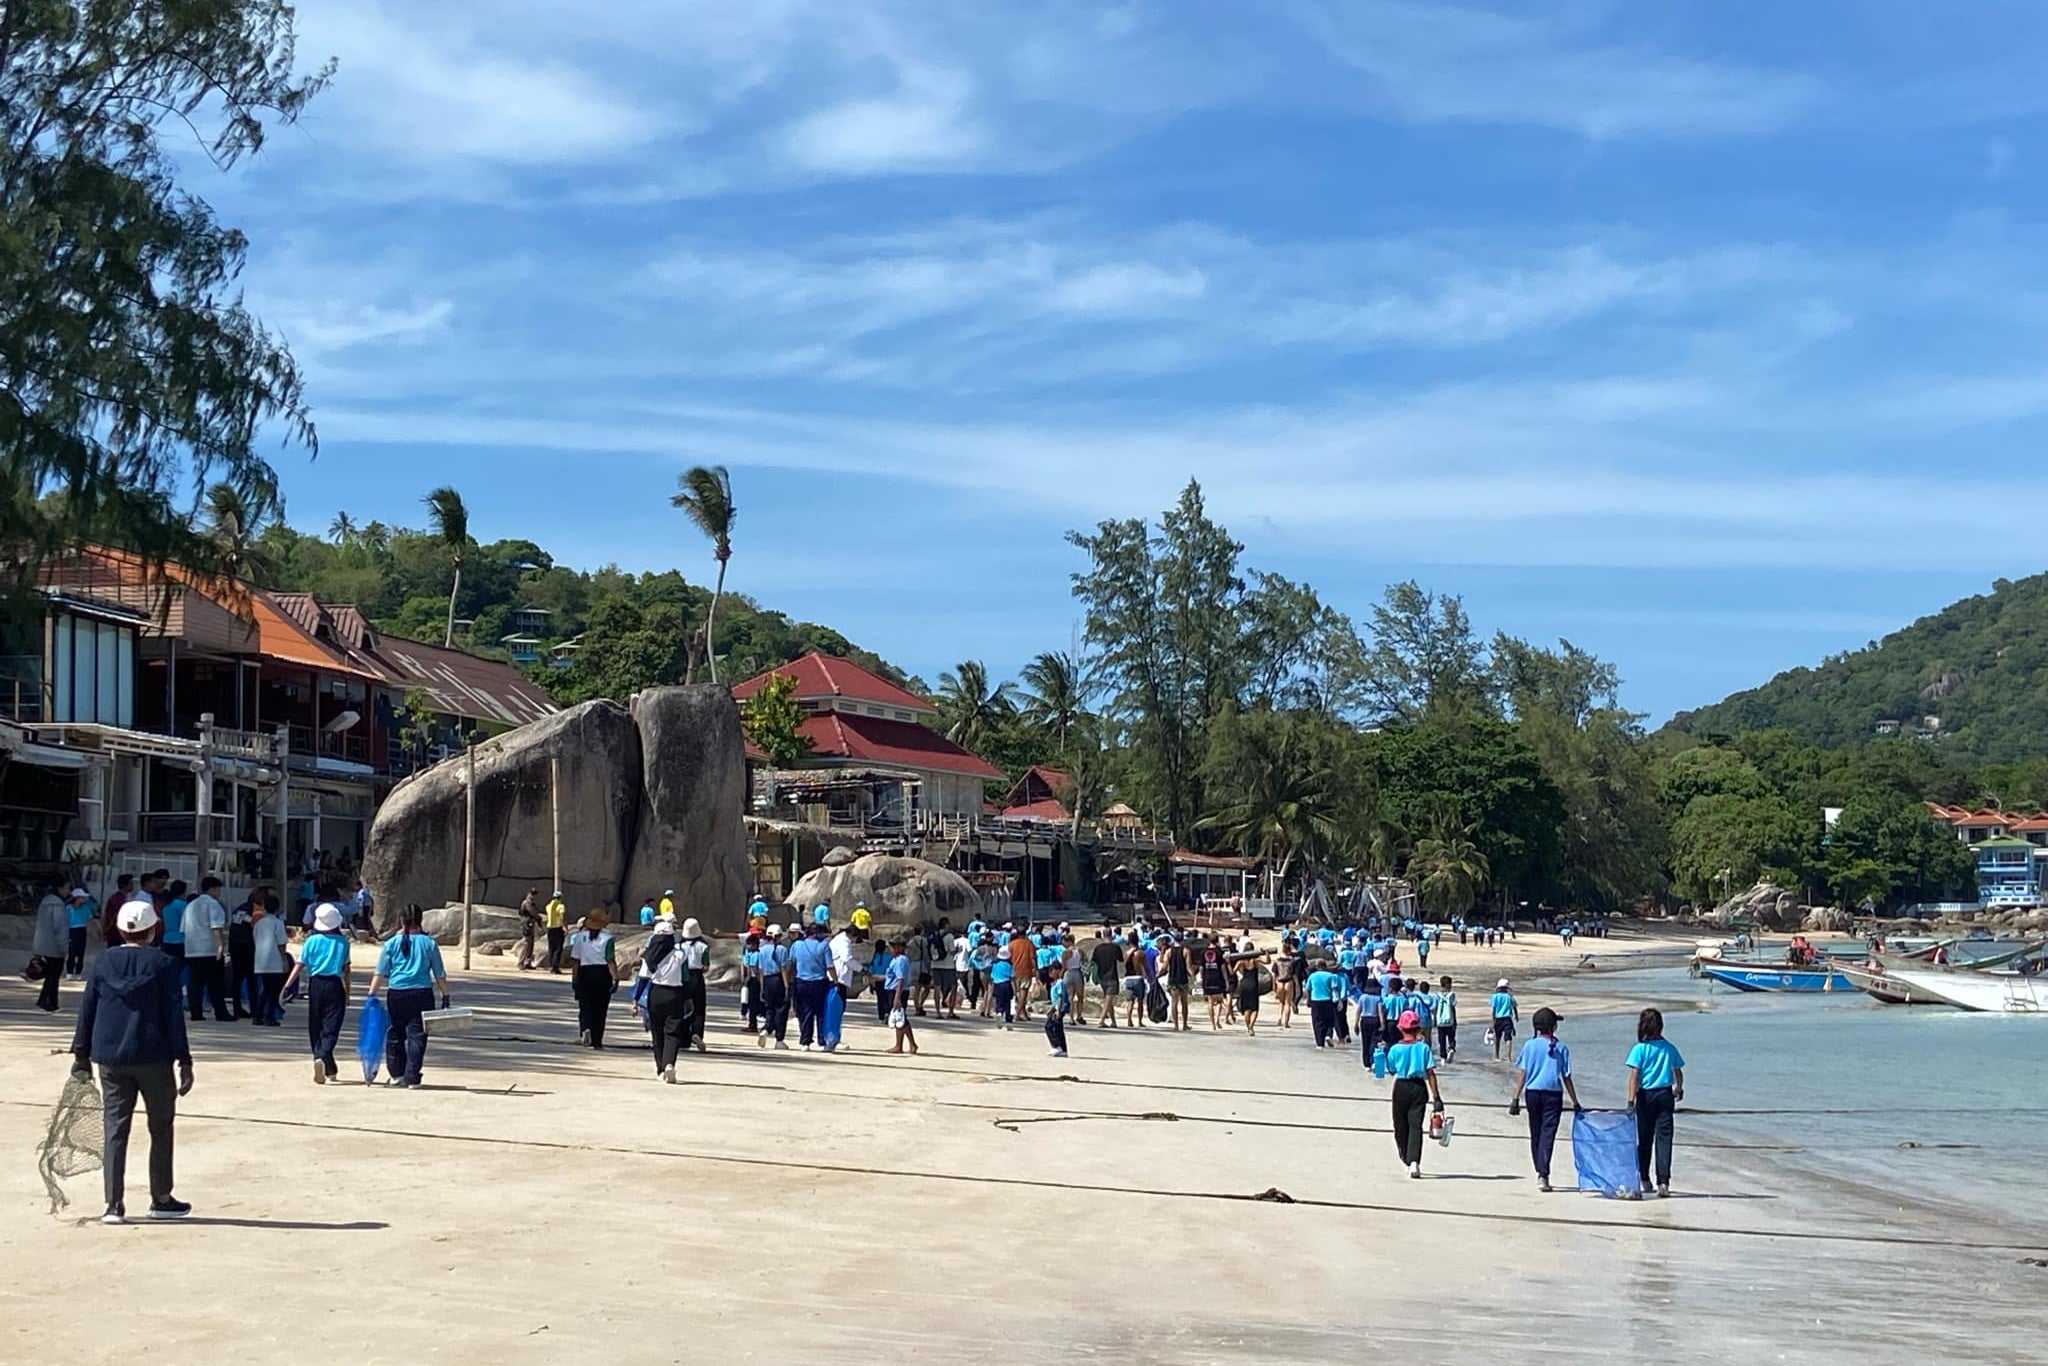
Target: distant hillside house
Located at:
point(859, 720)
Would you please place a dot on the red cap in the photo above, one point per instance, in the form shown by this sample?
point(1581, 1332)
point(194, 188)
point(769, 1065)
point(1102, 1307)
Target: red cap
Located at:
point(1409, 1022)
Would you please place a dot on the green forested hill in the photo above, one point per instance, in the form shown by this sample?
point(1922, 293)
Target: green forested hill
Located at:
point(1979, 665)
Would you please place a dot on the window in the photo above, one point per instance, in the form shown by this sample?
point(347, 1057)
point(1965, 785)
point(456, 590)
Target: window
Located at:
point(92, 672)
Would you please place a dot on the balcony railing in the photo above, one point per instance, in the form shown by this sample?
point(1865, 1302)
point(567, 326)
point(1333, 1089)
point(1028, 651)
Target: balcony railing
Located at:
point(24, 699)
point(182, 827)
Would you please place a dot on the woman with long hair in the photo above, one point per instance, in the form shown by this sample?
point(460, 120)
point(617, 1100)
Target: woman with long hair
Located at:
point(592, 950)
point(1656, 1084)
point(409, 964)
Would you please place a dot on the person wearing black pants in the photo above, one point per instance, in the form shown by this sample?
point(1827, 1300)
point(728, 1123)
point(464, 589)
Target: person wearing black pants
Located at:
point(1319, 1015)
point(1414, 1071)
point(774, 1010)
point(1656, 1084)
point(810, 1007)
point(409, 965)
point(326, 1007)
point(1546, 1066)
point(203, 981)
point(242, 988)
point(324, 965)
point(405, 1047)
point(668, 1020)
point(74, 951)
point(130, 1024)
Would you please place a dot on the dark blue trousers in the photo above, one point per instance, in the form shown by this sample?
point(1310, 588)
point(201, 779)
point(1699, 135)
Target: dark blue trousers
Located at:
point(1545, 1109)
point(326, 1004)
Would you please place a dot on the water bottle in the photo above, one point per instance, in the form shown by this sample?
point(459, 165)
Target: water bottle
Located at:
point(1379, 1061)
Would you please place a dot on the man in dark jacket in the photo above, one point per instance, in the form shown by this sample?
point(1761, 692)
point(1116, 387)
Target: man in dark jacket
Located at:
point(132, 1023)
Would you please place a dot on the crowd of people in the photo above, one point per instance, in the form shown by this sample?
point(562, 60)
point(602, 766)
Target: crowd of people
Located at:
point(244, 964)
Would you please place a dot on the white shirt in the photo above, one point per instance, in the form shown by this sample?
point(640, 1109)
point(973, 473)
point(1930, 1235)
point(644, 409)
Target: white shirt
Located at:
point(589, 950)
point(689, 955)
point(269, 933)
point(203, 915)
point(961, 951)
point(842, 958)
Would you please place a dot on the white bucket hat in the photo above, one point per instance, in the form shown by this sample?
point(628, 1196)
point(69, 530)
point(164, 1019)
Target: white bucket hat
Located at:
point(327, 918)
point(692, 930)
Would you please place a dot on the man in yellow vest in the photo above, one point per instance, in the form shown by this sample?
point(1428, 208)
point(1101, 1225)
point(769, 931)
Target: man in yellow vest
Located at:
point(556, 913)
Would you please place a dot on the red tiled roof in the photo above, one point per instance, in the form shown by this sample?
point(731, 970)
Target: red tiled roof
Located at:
point(1039, 811)
point(819, 676)
point(906, 744)
point(2028, 823)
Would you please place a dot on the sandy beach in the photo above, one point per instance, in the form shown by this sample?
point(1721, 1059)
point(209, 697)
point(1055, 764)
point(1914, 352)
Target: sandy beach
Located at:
point(537, 1202)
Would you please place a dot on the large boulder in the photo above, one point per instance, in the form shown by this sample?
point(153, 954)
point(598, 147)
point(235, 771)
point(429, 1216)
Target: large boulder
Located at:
point(492, 925)
point(1828, 920)
point(897, 891)
point(414, 851)
point(693, 790)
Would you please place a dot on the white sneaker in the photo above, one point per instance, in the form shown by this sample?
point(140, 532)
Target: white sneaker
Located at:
point(761, 1039)
point(782, 1044)
point(668, 1074)
point(1415, 1171)
point(808, 1047)
point(1057, 1053)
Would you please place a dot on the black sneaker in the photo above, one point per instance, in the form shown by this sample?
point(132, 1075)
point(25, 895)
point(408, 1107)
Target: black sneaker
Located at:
point(114, 1215)
point(169, 1209)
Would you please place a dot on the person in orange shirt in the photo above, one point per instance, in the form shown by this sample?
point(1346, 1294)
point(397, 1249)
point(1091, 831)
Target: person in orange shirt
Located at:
point(1024, 962)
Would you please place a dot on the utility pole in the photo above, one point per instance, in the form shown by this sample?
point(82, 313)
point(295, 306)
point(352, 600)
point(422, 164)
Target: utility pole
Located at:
point(468, 846)
point(284, 819)
point(555, 816)
point(202, 806)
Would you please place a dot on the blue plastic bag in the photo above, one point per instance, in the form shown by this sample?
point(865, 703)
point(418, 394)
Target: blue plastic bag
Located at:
point(1604, 1152)
point(373, 1024)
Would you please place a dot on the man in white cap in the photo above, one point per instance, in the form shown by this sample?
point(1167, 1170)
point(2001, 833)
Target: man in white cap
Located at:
point(1504, 1013)
point(132, 1024)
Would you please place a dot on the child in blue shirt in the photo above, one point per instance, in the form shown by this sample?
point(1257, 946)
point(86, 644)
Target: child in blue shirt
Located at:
point(896, 995)
point(1656, 1084)
point(1056, 1018)
point(1414, 1071)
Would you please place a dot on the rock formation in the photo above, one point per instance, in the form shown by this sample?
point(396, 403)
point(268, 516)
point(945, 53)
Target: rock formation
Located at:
point(897, 891)
point(649, 799)
point(414, 852)
point(693, 787)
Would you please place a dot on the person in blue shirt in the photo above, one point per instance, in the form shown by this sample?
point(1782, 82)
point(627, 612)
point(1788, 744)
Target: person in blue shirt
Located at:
point(409, 964)
point(1422, 943)
point(1505, 1012)
point(810, 961)
point(1057, 1005)
point(1002, 977)
point(1369, 1006)
point(1413, 1068)
point(647, 911)
point(1546, 1080)
point(79, 913)
point(323, 962)
point(1394, 1003)
point(1325, 999)
point(173, 941)
point(1656, 1084)
point(895, 990)
point(771, 988)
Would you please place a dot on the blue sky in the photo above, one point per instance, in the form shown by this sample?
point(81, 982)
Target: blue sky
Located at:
point(1708, 335)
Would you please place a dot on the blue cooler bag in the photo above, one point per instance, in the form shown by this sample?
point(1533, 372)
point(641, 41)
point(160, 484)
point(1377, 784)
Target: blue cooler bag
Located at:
point(1604, 1151)
point(373, 1023)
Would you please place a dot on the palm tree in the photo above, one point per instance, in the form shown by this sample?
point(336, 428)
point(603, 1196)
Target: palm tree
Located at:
point(342, 530)
point(1286, 809)
point(235, 519)
point(968, 706)
point(705, 496)
point(1449, 872)
point(451, 527)
point(1054, 694)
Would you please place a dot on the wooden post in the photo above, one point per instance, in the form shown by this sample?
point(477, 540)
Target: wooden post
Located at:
point(468, 846)
point(284, 824)
point(555, 819)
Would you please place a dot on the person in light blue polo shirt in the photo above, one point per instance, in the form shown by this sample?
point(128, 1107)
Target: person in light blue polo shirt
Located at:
point(1656, 1084)
point(810, 960)
point(1325, 999)
point(410, 965)
point(1002, 977)
point(1504, 1013)
point(323, 962)
point(1546, 1080)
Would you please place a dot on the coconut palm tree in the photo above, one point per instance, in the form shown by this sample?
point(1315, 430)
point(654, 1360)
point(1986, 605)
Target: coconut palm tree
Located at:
point(704, 493)
point(1449, 872)
point(342, 530)
point(967, 705)
point(1286, 809)
point(234, 521)
point(1055, 694)
point(451, 527)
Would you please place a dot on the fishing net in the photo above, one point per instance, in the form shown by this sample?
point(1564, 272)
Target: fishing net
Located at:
point(72, 1141)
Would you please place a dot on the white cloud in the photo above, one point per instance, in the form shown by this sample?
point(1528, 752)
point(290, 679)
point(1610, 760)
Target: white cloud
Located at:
point(925, 123)
point(1443, 62)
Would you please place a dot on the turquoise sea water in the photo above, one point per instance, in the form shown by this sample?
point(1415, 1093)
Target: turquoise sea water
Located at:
point(1834, 1087)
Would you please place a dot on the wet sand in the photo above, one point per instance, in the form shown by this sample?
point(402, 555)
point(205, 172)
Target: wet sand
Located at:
point(538, 1202)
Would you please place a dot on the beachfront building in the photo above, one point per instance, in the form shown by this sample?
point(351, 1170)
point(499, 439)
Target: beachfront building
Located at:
point(858, 721)
point(2008, 873)
point(175, 708)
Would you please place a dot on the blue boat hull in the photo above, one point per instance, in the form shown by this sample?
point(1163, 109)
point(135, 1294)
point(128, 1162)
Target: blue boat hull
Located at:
point(1777, 979)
